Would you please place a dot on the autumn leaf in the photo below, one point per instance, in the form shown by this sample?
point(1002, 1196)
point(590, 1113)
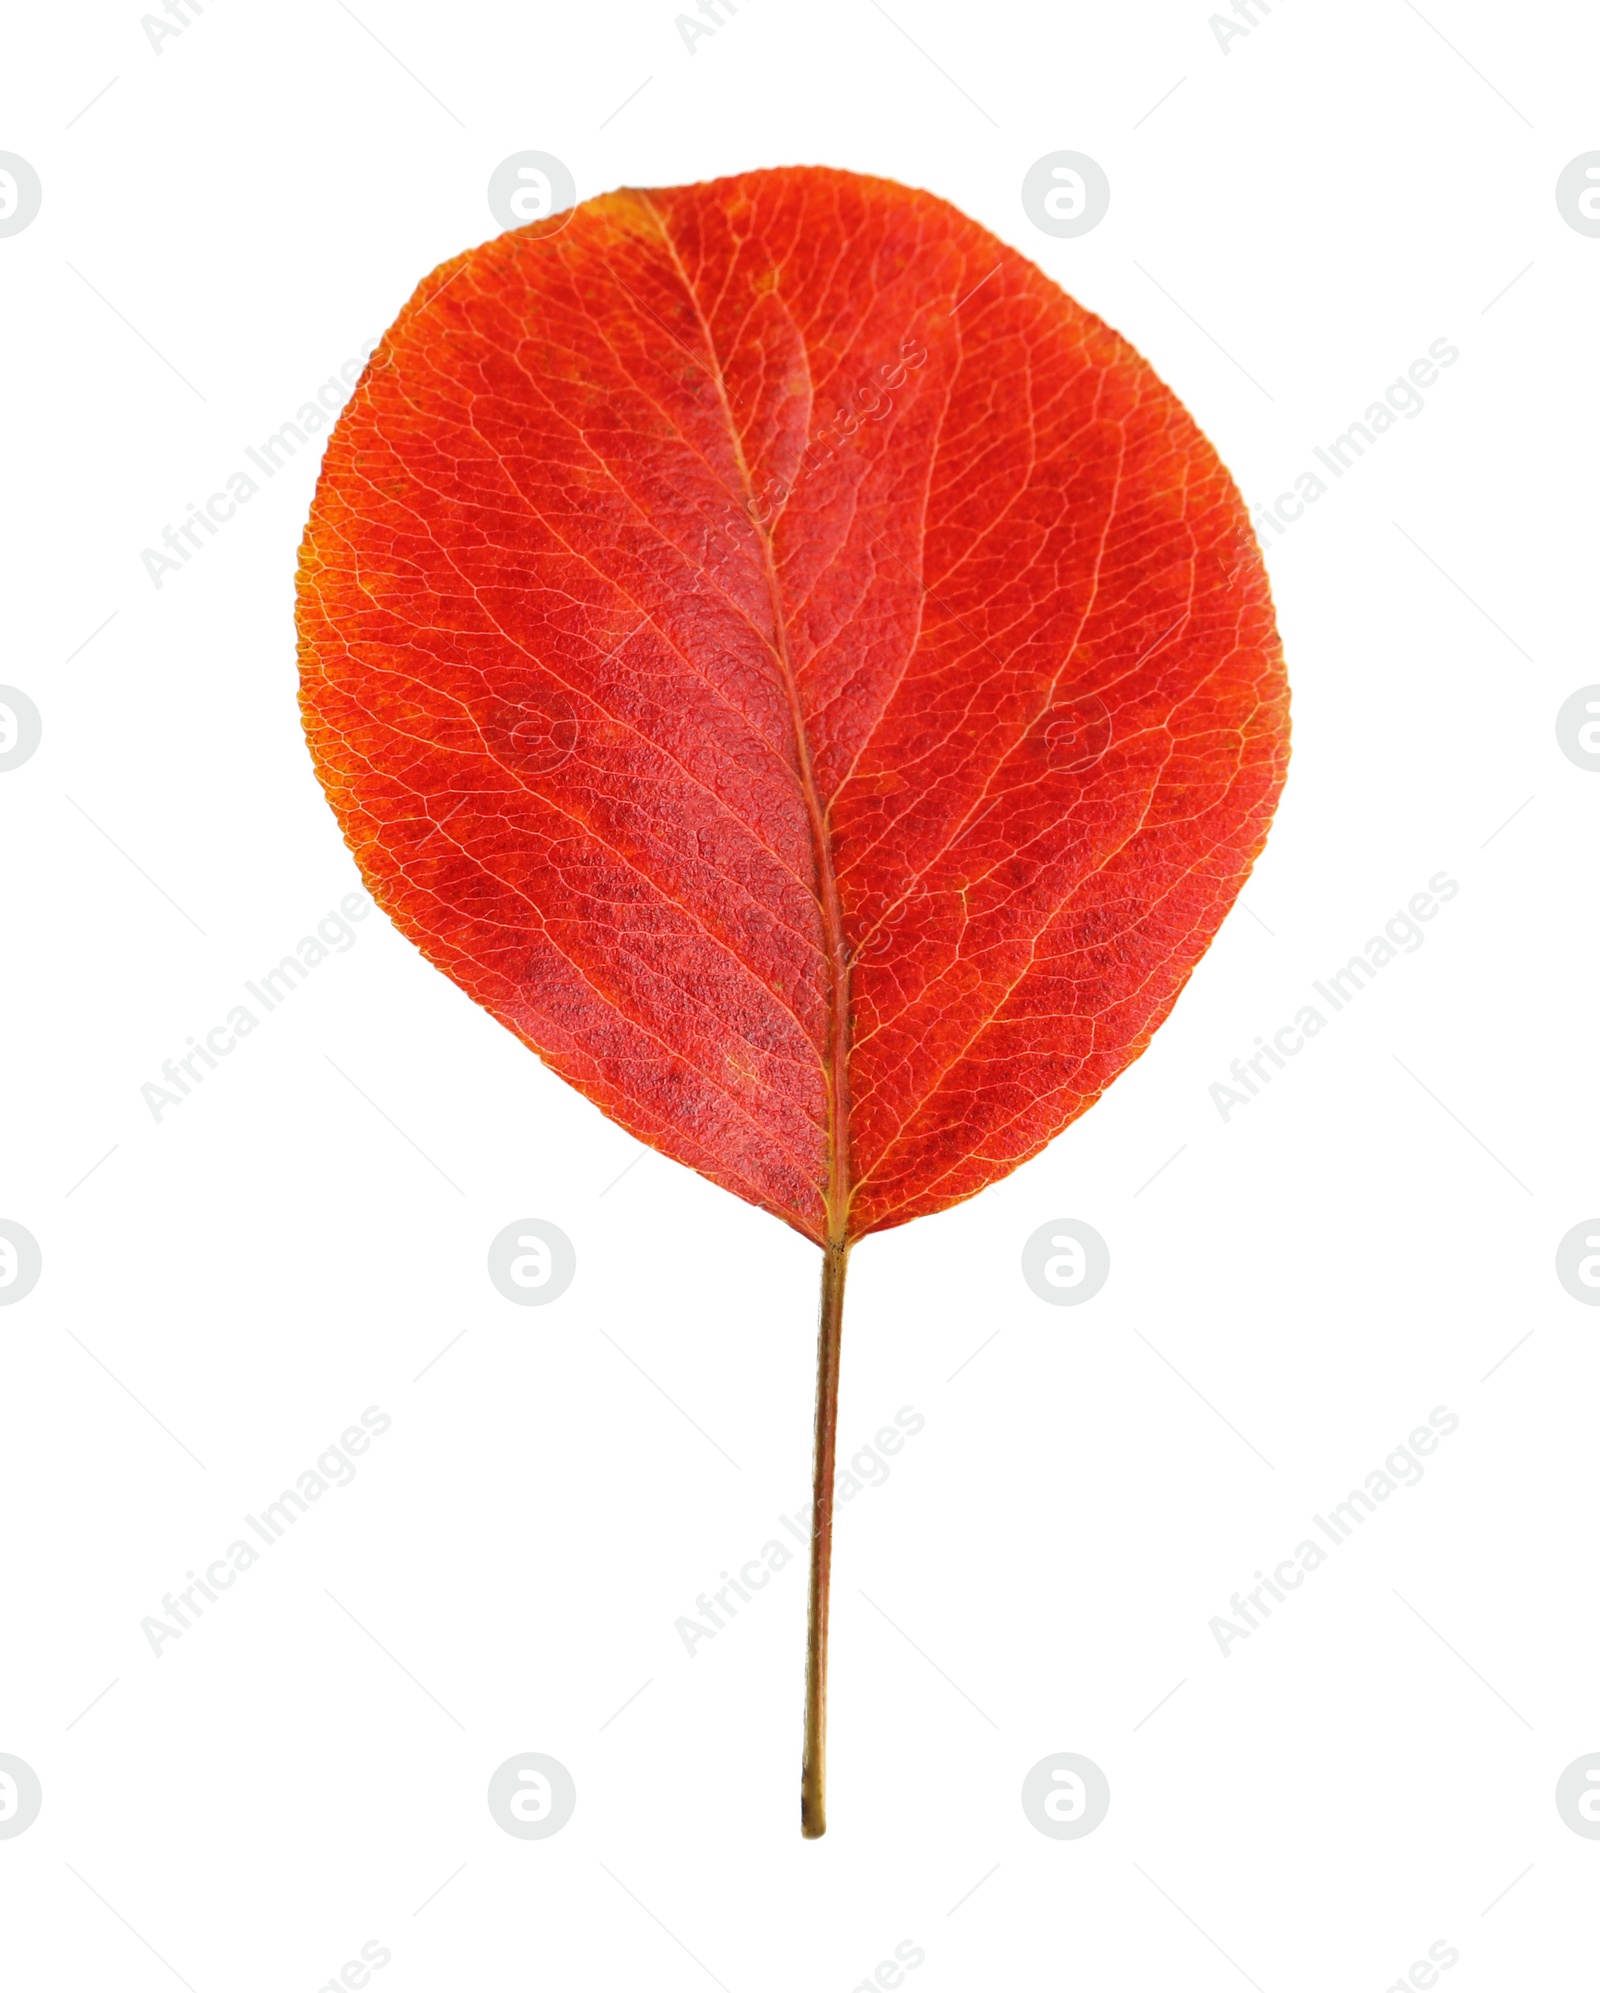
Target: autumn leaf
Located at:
point(804, 675)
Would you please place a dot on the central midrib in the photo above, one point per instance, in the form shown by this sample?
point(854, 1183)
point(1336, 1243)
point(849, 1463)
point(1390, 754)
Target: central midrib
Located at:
point(836, 1058)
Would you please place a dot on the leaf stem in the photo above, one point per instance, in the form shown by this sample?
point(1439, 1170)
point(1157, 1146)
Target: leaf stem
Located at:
point(813, 1764)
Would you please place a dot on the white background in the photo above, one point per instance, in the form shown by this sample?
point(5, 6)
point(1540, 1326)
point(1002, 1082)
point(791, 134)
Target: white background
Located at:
point(304, 1769)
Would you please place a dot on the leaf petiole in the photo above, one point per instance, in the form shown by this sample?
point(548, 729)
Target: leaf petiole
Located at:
point(813, 1764)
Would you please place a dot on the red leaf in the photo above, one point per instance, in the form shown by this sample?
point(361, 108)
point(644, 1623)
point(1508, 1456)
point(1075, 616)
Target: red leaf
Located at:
point(803, 674)
point(748, 623)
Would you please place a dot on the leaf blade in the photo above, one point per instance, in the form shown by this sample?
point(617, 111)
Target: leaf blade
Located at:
point(824, 718)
